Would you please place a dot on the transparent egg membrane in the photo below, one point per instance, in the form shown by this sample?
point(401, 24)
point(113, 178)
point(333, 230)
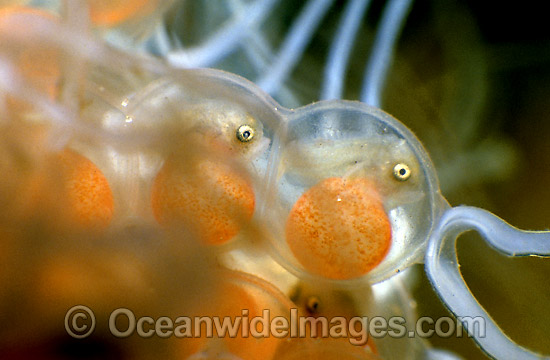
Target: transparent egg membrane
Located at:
point(351, 141)
point(286, 153)
point(181, 192)
point(142, 185)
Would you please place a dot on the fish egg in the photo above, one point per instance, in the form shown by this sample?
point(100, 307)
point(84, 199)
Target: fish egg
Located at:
point(339, 229)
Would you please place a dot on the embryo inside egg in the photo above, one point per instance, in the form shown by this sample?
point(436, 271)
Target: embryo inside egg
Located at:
point(351, 186)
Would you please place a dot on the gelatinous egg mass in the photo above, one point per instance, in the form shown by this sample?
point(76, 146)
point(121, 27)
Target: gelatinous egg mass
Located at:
point(240, 132)
point(209, 197)
point(339, 229)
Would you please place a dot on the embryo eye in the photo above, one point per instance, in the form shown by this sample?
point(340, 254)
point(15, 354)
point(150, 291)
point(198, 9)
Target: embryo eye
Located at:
point(312, 304)
point(245, 133)
point(401, 172)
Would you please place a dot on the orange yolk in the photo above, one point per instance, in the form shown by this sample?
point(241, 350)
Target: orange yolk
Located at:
point(324, 349)
point(72, 187)
point(211, 198)
point(39, 65)
point(88, 193)
point(5, 3)
point(114, 12)
point(333, 305)
point(101, 278)
point(339, 228)
point(230, 300)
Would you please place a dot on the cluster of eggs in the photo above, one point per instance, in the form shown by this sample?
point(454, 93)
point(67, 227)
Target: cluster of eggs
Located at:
point(144, 186)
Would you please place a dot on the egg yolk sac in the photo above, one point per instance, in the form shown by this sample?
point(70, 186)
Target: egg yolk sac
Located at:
point(72, 189)
point(20, 26)
point(339, 229)
point(87, 190)
point(6, 3)
point(229, 303)
point(114, 12)
point(209, 196)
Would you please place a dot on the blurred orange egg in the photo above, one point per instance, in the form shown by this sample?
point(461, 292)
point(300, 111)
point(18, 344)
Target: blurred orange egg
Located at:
point(114, 12)
point(88, 193)
point(71, 191)
point(240, 305)
point(38, 62)
point(5, 3)
point(209, 196)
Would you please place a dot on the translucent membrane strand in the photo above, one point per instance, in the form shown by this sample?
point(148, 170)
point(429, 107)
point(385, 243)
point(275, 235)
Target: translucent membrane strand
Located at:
point(338, 58)
point(393, 20)
point(225, 41)
point(442, 268)
point(259, 53)
point(294, 45)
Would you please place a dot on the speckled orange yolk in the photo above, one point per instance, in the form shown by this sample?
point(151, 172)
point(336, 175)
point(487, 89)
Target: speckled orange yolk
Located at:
point(229, 301)
point(72, 188)
point(89, 196)
point(339, 228)
point(212, 199)
point(113, 12)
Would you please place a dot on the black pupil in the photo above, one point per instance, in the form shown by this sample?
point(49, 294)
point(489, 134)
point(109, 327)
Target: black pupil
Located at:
point(246, 134)
point(402, 172)
point(314, 305)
